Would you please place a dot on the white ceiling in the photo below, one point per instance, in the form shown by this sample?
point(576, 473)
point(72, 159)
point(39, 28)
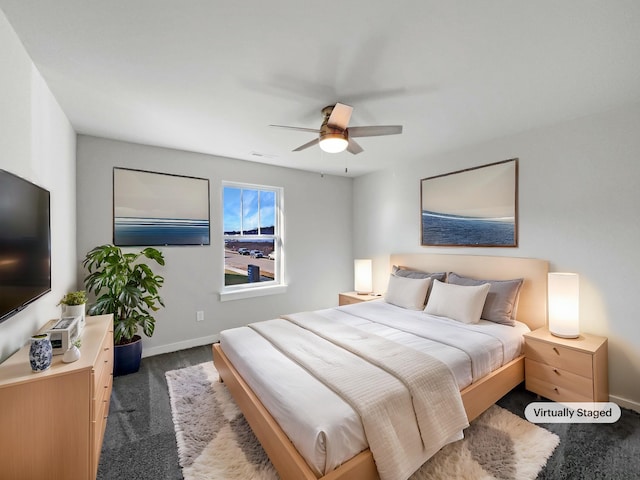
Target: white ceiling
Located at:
point(210, 76)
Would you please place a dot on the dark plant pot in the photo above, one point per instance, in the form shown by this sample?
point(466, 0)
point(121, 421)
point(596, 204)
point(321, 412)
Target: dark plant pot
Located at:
point(126, 358)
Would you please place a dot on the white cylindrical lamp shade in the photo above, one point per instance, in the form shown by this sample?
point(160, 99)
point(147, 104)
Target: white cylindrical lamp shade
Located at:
point(363, 277)
point(564, 299)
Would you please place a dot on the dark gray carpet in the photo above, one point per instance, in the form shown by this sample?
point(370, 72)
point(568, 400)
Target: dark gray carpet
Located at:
point(140, 442)
point(587, 450)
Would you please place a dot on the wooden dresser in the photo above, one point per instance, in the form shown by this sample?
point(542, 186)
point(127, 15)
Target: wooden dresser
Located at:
point(52, 423)
point(566, 369)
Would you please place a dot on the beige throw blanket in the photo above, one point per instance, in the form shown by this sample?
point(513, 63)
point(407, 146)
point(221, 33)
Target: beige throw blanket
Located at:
point(408, 401)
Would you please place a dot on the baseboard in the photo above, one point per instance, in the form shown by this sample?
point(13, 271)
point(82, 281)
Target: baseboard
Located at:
point(623, 402)
point(174, 347)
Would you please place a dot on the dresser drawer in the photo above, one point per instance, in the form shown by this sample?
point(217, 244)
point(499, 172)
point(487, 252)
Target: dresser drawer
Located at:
point(555, 393)
point(101, 406)
point(99, 422)
point(103, 368)
point(580, 363)
point(103, 373)
point(102, 395)
point(558, 380)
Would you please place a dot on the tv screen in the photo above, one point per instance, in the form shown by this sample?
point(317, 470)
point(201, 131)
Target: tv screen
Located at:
point(25, 243)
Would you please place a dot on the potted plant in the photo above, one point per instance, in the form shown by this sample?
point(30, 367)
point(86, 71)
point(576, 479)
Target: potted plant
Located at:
point(73, 305)
point(127, 288)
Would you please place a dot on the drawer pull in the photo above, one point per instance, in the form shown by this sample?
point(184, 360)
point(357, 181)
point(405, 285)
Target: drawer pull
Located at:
point(556, 350)
point(555, 370)
point(556, 389)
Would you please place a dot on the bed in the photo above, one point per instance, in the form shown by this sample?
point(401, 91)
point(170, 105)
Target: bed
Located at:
point(477, 395)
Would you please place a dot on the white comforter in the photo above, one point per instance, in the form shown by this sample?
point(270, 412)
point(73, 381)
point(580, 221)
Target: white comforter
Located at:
point(405, 425)
point(334, 433)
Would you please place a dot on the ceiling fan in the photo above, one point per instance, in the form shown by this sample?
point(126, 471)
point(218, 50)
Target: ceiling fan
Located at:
point(335, 135)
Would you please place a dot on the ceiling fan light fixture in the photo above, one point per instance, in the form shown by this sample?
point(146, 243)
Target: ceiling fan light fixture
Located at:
point(334, 143)
point(335, 135)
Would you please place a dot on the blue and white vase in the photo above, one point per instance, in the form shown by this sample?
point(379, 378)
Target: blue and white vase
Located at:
point(40, 352)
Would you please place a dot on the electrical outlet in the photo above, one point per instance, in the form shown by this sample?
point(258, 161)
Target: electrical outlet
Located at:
point(199, 315)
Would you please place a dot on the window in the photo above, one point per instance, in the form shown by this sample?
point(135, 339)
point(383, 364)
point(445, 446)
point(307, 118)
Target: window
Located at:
point(252, 240)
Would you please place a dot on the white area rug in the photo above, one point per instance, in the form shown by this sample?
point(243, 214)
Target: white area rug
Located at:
point(216, 443)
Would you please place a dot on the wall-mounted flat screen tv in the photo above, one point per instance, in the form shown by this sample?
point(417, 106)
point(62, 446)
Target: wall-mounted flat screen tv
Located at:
point(25, 243)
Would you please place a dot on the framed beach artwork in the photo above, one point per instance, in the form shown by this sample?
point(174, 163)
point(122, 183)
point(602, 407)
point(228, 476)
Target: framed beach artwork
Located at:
point(154, 209)
point(476, 207)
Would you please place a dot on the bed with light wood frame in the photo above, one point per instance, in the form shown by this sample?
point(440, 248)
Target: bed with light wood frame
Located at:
point(476, 398)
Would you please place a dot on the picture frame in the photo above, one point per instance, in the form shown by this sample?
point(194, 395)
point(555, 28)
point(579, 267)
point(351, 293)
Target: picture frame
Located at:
point(475, 207)
point(158, 209)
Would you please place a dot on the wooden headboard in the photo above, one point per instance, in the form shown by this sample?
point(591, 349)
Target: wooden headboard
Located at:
point(532, 307)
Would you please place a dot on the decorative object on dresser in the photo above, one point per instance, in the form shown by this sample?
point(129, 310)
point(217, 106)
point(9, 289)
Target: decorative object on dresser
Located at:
point(74, 305)
point(63, 333)
point(564, 299)
point(349, 298)
point(363, 278)
point(40, 352)
point(566, 370)
point(73, 354)
point(53, 422)
point(128, 289)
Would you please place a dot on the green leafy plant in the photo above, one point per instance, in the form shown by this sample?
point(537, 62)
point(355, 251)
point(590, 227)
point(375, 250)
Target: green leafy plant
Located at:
point(125, 287)
point(74, 298)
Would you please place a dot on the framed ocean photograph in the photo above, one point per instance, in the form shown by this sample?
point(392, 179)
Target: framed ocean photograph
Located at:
point(476, 207)
point(153, 209)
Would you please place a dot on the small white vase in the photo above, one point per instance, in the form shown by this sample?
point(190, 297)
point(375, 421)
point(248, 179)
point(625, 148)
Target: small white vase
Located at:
point(71, 355)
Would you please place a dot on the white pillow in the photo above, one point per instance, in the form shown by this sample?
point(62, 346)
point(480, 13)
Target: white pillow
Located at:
point(461, 303)
point(408, 293)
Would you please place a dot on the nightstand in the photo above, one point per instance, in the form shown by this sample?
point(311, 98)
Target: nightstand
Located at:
point(566, 369)
point(349, 298)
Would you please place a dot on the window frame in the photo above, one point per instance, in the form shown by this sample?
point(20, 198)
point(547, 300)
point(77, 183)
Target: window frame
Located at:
point(277, 285)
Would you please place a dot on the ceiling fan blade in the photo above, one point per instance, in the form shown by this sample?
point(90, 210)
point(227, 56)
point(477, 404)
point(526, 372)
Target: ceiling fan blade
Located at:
point(354, 147)
point(375, 130)
point(300, 129)
point(313, 142)
point(340, 116)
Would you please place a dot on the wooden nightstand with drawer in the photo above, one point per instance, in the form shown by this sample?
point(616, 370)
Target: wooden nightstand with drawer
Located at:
point(349, 298)
point(566, 369)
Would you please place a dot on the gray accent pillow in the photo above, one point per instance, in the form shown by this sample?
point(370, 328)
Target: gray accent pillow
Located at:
point(502, 300)
point(409, 273)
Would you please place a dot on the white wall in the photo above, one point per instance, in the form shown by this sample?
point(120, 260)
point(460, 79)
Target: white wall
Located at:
point(578, 200)
point(579, 196)
point(317, 235)
point(37, 143)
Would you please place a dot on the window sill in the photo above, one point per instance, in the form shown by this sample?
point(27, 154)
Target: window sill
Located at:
point(252, 292)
